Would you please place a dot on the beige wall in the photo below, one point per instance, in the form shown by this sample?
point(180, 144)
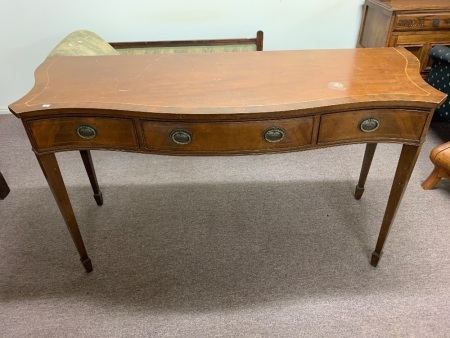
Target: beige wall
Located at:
point(30, 29)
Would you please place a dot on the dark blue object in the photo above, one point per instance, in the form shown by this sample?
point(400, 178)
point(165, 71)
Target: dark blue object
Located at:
point(439, 77)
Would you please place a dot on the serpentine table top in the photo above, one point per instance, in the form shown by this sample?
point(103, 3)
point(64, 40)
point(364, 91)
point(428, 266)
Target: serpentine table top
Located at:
point(226, 84)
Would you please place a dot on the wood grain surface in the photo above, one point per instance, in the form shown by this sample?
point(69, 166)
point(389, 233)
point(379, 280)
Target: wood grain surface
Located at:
point(224, 85)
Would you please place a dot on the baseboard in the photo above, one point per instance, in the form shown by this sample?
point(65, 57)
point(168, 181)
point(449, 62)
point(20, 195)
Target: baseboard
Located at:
point(4, 110)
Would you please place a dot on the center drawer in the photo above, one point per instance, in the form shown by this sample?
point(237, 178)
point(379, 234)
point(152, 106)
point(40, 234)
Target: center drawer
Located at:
point(227, 137)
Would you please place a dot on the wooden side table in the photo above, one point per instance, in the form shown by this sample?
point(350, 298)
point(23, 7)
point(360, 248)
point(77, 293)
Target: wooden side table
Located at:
point(416, 25)
point(227, 104)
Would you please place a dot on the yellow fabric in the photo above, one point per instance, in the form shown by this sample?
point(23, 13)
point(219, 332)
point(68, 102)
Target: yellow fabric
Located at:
point(188, 49)
point(83, 43)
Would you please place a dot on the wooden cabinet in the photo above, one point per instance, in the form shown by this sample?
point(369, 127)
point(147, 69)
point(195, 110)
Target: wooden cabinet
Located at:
point(417, 25)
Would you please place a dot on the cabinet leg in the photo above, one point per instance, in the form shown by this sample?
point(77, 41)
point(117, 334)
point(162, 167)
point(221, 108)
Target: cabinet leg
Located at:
point(89, 165)
point(406, 163)
point(52, 173)
point(367, 161)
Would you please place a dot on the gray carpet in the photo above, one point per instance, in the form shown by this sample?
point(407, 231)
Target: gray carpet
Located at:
point(249, 246)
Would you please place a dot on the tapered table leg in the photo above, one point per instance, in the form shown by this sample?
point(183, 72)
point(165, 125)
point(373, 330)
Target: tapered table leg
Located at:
point(89, 165)
point(408, 158)
point(50, 168)
point(367, 161)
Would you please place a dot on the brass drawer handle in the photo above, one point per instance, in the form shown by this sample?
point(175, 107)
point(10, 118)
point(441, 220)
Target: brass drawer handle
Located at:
point(180, 136)
point(274, 134)
point(369, 125)
point(86, 131)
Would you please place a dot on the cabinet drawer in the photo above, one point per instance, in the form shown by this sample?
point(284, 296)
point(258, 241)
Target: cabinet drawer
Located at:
point(367, 125)
point(88, 132)
point(227, 137)
point(408, 22)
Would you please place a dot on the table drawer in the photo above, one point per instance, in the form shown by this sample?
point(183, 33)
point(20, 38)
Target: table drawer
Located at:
point(408, 22)
point(367, 125)
point(84, 132)
point(228, 137)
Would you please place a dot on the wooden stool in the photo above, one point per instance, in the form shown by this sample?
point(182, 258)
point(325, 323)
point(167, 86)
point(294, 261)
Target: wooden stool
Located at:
point(440, 156)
